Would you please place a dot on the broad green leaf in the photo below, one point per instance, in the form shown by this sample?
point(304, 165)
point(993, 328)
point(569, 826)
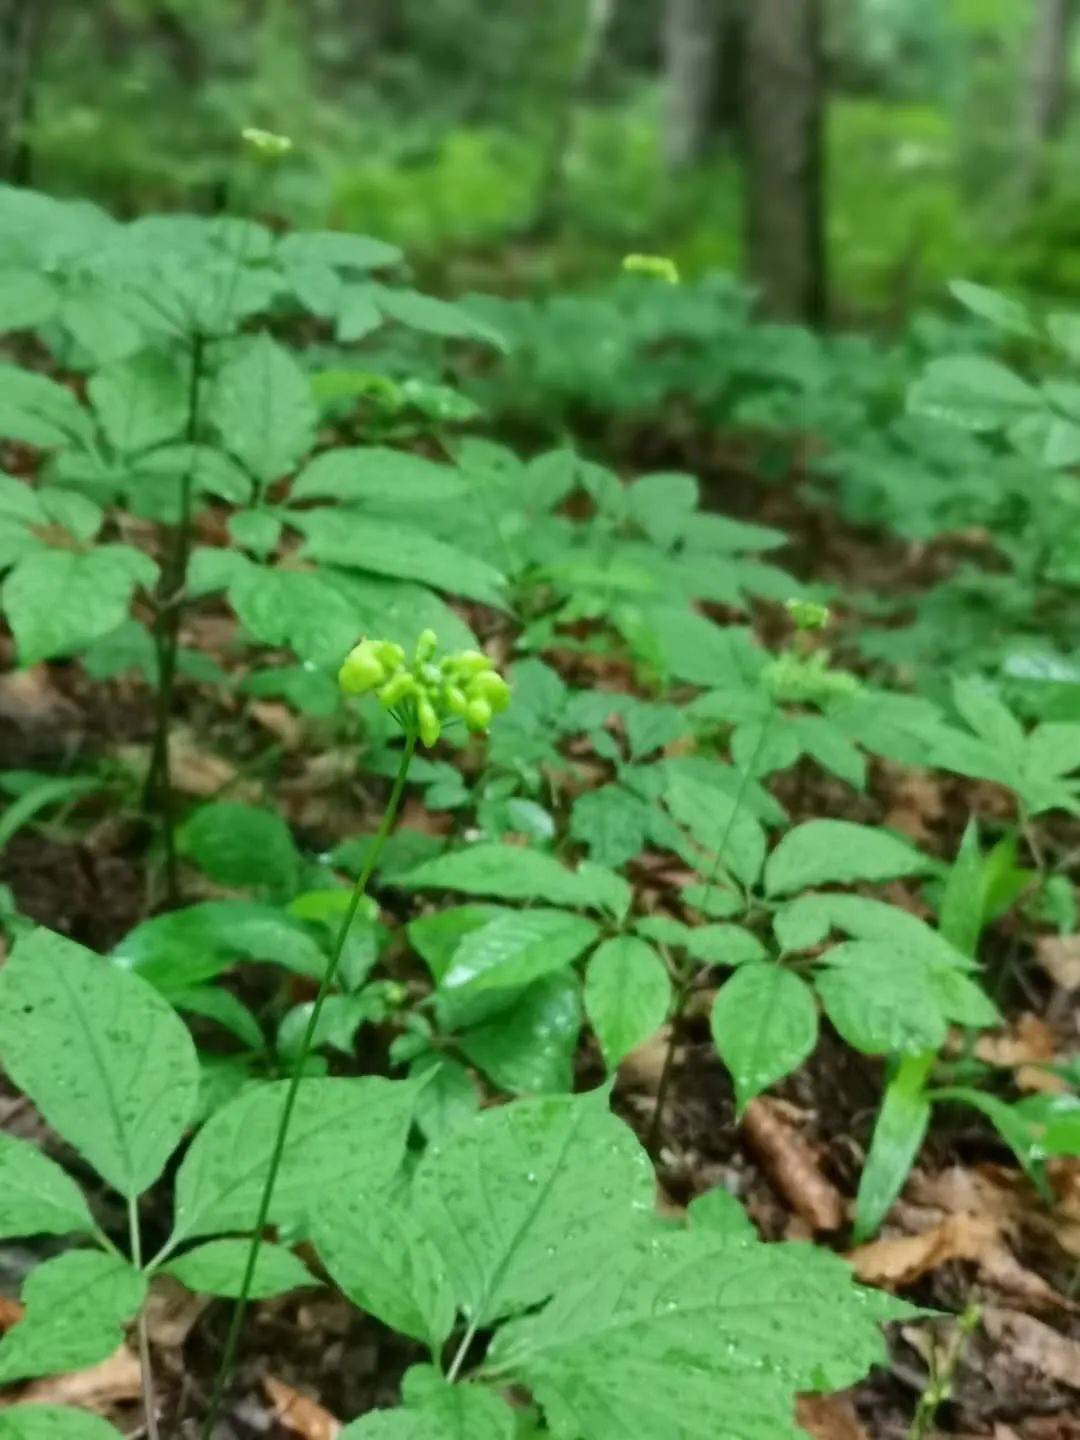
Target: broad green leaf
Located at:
point(663, 506)
point(721, 824)
point(340, 249)
point(612, 822)
point(729, 945)
point(528, 1048)
point(186, 947)
point(436, 937)
point(1023, 1137)
point(36, 1196)
point(256, 530)
point(695, 649)
point(525, 1197)
point(1002, 312)
point(107, 1062)
point(219, 1266)
point(805, 922)
point(367, 542)
point(435, 317)
point(53, 1422)
point(379, 1256)
point(262, 406)
point(386, 481)
point(345, 1132)
point(627, 995)
point(141, 401)
point(393, 1425)
point(898, 1135)
point(459, 1411)
point(37, 411)
point(493, 964)
point(961, 910)
point(826, 852)
point(505, 871)
point(27, 299)
point(720, 1213)
point(58, 601)
point(76, 1307)
point(691, 1335)
point(449, 1099)
point(241, 845)
point(213, 1002)
point(881, 1000)
point(973, 392)
point(764, 1025)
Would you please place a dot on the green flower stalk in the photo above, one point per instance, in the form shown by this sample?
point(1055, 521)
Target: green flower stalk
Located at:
point(422, 696)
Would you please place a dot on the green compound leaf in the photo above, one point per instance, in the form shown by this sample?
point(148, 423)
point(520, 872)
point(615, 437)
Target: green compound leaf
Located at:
point(345, 1132)
point(627, 995)
point(694, 1336)
point(36, 1196)
point(522, 1199)
point(379, 1256)
point(764, 1025)
point(263, 408)
point(218, 1268)
point(882, 1001)
point(510, 873)
point(107, 1062)
point(57, 601)
point(76, 1308)
point(492, 965)
point(53, 1422)
point(722, 824)
point(824, 852)
point(529, 1048)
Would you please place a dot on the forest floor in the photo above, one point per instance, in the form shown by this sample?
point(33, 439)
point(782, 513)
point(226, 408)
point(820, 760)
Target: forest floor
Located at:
point(969, 1227)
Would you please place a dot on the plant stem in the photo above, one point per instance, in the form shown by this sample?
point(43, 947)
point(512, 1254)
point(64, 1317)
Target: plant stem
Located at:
point(939, 1386)
point(158, 789)
point(149, 1401)
point(232, 1340)
point(462, 1350)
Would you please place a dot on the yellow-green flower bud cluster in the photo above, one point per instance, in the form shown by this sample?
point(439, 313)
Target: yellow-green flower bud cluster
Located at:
point(265, 143)
point(428, 692)
point(807, 614)
point(653, 267)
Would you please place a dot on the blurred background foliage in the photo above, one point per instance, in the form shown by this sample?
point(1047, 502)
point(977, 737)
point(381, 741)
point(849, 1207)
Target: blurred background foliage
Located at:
point(520, 145)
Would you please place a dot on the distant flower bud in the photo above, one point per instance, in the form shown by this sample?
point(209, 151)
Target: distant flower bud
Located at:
point(266, 143)
point(655, 267)
point(478, 715)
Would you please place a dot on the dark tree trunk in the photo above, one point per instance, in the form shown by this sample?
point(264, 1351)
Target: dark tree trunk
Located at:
point(1046, 100)
point(22, 26)
point(784, 101)
point(703, 43)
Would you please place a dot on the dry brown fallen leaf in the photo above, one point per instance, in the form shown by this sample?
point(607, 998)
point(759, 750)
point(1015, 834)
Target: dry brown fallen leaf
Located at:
point(643, 1067)
point(1059, 956)
point(298, 1413)
point(1029, 1042)
point(829, 1417)
point(172, 1312)
point(903, 1259)
point(1029, 1342)
point(11, 1312)
point(114, 1382)
point(791, 1165)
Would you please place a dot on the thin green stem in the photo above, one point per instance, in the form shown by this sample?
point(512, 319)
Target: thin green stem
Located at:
point(942, 1370)
point(146, 1370)
point(232, 1340)
point(158, 789)
point(462, 1350)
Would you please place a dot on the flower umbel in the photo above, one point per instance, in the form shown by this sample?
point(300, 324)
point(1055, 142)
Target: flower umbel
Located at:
point(654, 267)
point(427, 693)
point(265, 142)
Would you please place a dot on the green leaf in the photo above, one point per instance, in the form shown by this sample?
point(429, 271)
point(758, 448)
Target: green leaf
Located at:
point(507, 871)
point(728, 945)
point(880, 999)
point(825, 852)
point(1002, 312)
point(58, 601)
point(521, 1200)
point(39, 412)
point(612, 822)
point(346, 1132)
point(212, 1002)
point(764, 1025)
point(691, 1335)
point(435, 317)
point(374, 478)
point(263, 408)
point(393, 1425)
point(218, 1268)
point(721, 824)
point(459, 1411)
point(365, 542)
point(627, 996)
point(898, 1135)
point(36, 1196)
point(27, 299)
point(240, 845)
point(105, 1059)
point(53, 1422)
point(339, 249)
point(663, 506)
point(436, 937)
point(256, 530)
point(973, 392)
point(528, 1048)
point(491, 965)
point(141, 401)
point(76, 1308)
point(379, 1256)
point(185, 947)
point(695, 649)
point(720, 1213)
